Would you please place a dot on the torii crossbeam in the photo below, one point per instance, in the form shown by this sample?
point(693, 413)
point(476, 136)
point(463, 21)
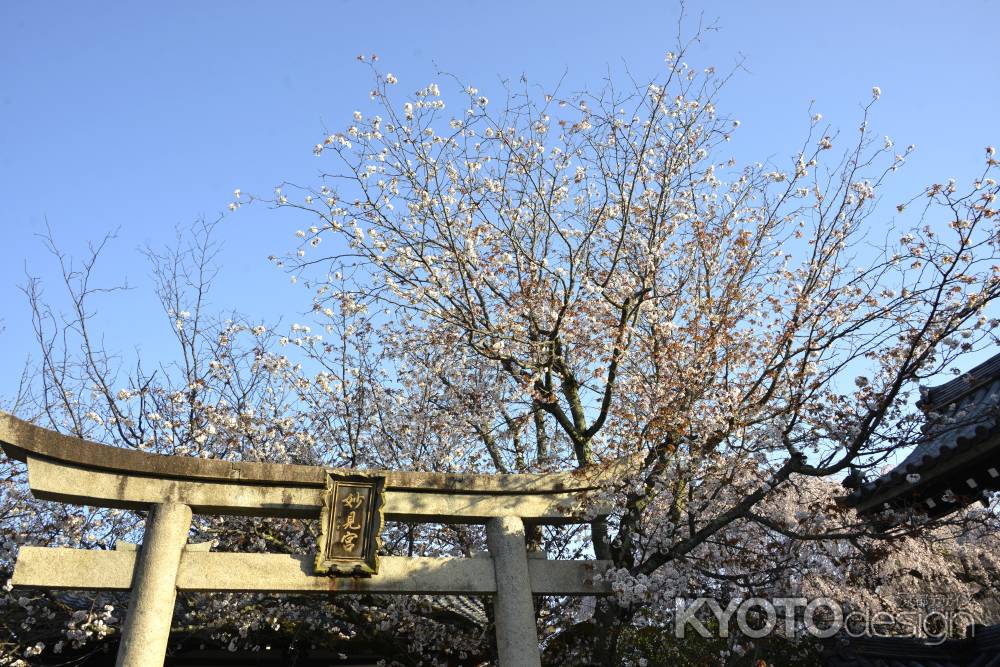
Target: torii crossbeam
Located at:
point(72, 470)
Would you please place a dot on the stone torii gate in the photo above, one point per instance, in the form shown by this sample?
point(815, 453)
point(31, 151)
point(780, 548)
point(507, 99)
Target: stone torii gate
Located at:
point(172, 488)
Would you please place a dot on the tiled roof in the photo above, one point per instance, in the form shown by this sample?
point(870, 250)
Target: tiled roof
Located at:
point(469, 608)
point(968, 419)
point(959, 414)
point(942, 395)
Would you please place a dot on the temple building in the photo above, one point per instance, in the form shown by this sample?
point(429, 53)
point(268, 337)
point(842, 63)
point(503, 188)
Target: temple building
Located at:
point(956, 461)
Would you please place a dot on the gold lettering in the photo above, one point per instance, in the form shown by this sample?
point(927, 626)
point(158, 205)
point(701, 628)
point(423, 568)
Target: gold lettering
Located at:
point(350, 541)
point(354, 500)
point(350, 524)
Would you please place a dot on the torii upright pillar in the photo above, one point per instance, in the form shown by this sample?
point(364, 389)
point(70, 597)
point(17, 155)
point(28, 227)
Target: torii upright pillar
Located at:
point(517, 639)
point(154, 587)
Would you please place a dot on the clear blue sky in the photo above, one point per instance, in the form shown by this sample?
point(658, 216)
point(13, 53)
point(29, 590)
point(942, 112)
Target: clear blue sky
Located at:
point(144, 116)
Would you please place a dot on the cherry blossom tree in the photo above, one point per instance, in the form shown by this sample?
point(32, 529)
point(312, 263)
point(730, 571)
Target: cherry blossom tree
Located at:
point(575, 278)
point(226, 391)
point(531, 280)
